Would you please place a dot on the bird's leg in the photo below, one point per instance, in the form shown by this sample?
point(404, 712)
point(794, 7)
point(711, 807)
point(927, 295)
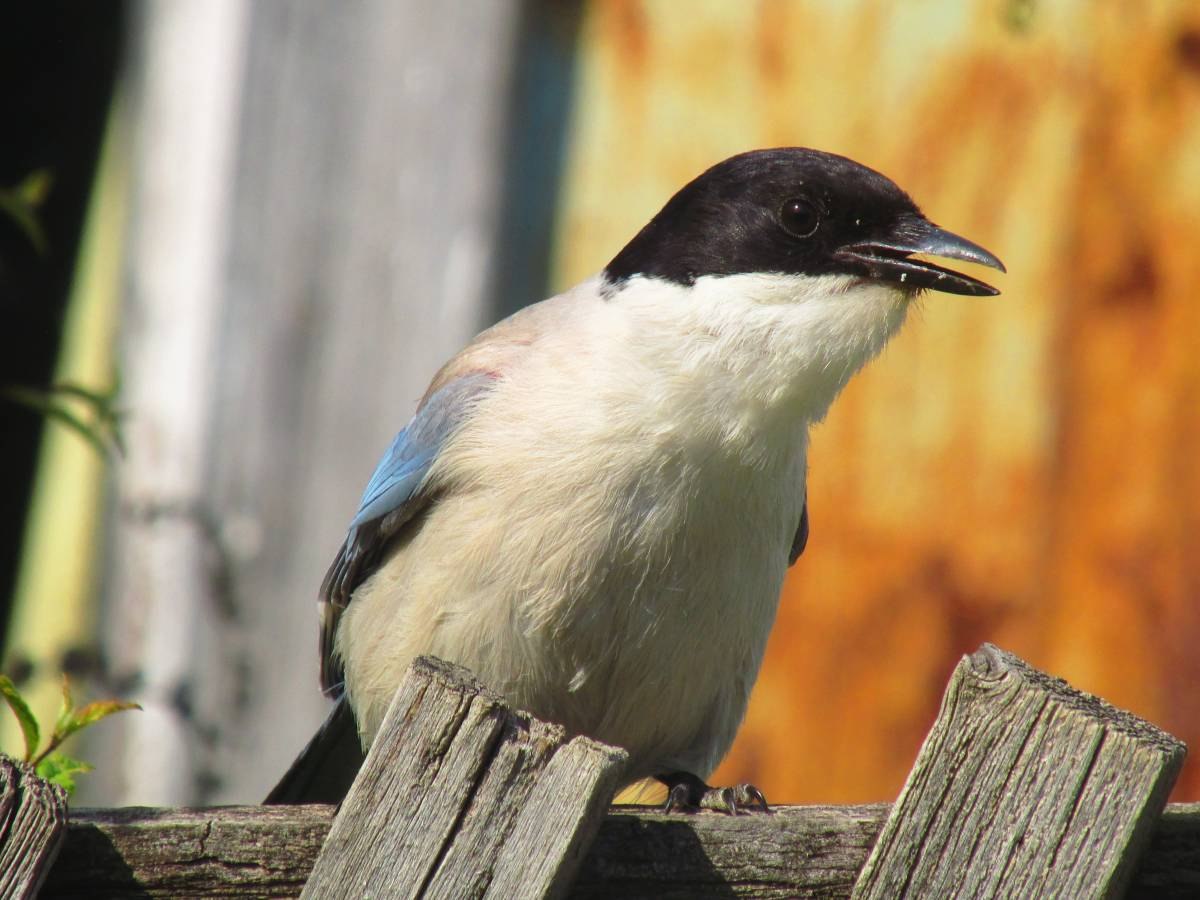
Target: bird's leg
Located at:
point(687, 793)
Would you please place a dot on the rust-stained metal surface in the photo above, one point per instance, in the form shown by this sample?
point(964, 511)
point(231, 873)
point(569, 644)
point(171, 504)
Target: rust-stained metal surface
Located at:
point(1024, 469)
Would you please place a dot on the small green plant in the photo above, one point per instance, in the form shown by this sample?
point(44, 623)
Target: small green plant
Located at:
point(93, 415)
point(23, 202)
point(49, 762)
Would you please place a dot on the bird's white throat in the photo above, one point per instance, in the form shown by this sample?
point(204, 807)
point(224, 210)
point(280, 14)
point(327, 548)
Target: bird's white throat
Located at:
point(764, 347)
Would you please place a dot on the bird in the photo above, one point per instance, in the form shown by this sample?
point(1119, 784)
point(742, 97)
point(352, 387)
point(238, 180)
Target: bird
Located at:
point(595, 504)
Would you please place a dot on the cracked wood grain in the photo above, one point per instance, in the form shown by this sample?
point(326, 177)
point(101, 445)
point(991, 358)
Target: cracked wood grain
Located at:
point(33, 820)
point(462, 797)
point(257, 852)
point(1024, 787)
point(237, 851)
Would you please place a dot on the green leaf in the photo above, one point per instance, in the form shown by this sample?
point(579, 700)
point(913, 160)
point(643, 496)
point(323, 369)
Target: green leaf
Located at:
point(65, 708)
point(91, 714)
point(21, 205)
point(85, 430)
point(103, 407)
point(34, 190)
point(25, 718)
point(101, 401)
point(58, 768)
point(44, 402)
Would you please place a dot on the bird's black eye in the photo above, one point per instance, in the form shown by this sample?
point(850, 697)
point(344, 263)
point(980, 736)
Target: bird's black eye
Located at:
point(799, 217)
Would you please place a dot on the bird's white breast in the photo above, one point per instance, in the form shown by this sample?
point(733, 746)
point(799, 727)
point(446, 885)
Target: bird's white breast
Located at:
point(612, 538)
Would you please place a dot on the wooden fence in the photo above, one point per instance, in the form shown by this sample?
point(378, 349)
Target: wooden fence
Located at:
point(1024, 787)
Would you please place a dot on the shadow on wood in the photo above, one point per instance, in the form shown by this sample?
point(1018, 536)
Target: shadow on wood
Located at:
point(232, 851)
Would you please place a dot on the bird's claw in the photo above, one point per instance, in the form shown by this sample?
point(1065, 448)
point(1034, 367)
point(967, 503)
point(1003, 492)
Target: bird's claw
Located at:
point(735, 799)
point(690, 794)
point(746, 797)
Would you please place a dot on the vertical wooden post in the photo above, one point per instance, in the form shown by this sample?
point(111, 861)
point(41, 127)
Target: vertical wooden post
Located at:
point(312, 234)
point(33, 822)
point(160, 571)
point(1025, 787)
point(460, 797)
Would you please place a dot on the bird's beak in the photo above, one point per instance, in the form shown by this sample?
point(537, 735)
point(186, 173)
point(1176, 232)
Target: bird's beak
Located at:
point(888, 258)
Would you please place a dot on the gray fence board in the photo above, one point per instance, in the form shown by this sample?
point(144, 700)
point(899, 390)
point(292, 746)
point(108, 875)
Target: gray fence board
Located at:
point(1024, 787)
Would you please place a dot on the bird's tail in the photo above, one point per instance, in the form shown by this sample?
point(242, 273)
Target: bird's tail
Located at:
point(325, 769)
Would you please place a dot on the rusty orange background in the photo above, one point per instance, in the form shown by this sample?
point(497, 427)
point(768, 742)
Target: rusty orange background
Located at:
point(1024, 469)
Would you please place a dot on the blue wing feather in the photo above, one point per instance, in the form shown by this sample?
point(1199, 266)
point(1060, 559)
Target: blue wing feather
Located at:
point(394, 497)
point(394, 480)
point(407, 461)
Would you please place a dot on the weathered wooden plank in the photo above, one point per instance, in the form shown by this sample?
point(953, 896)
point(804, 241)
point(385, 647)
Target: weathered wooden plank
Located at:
point(489, 820)
point(439, 733)
point(33, 819)
point(254, 852)
point(454, 790)
point(1024, 787)
point(552, 833)
point(798, 851)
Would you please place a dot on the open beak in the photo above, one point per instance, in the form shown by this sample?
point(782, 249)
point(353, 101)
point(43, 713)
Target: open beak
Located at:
point(889, 258)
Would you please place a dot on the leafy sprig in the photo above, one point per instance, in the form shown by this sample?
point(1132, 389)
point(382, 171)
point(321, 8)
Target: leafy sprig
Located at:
point(22, 204)
point(93, 415)
point(49, 762)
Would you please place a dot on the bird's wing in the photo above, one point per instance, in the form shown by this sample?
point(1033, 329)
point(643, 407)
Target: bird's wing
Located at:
point(396, 495)
point(801, 538)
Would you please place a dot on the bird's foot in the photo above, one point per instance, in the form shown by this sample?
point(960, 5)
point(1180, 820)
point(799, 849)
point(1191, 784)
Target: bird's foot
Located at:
point(687, 793)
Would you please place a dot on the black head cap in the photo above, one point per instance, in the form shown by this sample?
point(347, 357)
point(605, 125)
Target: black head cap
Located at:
point(796, 211)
